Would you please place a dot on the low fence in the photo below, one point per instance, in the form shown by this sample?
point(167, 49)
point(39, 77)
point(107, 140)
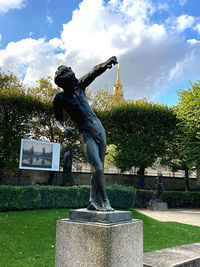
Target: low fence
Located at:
point(85, 168)
point(171, 181)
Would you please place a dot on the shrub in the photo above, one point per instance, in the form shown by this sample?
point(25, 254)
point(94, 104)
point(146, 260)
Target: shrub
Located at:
point(121, 196)
point(68, 179)
point(175, 199)
point(44, 197)
point(143, 197)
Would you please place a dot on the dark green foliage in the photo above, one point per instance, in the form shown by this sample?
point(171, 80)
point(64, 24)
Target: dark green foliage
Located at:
point(178, 156)
point(28, 114)
point(121, 196)
point(143, 197)
point(36, 197)
point(68, 179)
point(140, 131)
point(175, 199)
point(182, 199)
point(16, 113)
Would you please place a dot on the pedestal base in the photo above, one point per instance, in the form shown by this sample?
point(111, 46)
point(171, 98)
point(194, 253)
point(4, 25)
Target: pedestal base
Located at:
point(100, 216)
point(157, 206)
point(93, 244)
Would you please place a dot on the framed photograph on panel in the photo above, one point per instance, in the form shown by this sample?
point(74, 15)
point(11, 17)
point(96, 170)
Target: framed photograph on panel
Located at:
point(39, 155)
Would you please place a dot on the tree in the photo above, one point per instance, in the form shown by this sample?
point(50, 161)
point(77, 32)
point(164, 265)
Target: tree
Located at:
point(102, 99)
point(28, 114)
point(188, 112)
point(140, 131)
point(16, 112)
point(176, 156)
point(188, 107)
point(110, 153)
point(44, 90)
point(9, 82)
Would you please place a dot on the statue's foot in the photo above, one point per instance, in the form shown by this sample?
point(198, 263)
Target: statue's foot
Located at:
point(106, 205)
point(94, 206)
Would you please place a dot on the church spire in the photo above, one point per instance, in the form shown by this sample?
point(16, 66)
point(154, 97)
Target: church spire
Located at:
point(118, 73)
point(118, 93)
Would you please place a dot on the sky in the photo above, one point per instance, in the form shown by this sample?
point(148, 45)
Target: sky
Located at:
point(157, 42)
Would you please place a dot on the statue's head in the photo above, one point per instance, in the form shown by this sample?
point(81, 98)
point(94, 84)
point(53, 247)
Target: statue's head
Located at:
point(65, 77)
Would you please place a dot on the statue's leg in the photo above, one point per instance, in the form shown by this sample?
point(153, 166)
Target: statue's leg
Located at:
point(102, 151)
point(95, 151)
point(93, 194)
point(102, 190)
point(91, 150)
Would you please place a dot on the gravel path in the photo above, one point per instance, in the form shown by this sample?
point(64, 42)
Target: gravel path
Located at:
point(187, 216)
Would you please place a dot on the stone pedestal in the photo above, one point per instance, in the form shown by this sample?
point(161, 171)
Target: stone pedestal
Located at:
point(157, 206)
point(99, 239)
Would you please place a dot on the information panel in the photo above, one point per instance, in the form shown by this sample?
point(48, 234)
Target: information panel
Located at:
point(39, 155)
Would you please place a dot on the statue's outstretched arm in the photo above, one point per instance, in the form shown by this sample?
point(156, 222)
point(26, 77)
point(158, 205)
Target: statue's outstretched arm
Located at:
point(87, 79)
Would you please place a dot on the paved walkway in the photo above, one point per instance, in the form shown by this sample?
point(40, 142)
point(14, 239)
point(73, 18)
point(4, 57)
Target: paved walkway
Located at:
point(187, 216)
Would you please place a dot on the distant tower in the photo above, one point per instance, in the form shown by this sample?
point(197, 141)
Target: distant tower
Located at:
point(118, 93)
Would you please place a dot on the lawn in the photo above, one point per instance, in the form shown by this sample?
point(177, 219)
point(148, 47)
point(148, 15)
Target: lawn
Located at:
point(27, 238)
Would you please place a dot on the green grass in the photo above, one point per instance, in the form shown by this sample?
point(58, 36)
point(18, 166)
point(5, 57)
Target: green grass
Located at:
point(27, 238)
point(159, 235)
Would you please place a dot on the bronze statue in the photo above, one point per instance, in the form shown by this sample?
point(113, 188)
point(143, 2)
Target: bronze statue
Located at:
point(73, 100)
point(160, 188)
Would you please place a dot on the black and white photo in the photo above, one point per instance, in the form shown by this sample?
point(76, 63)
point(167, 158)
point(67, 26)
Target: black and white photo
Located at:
point(39, 155)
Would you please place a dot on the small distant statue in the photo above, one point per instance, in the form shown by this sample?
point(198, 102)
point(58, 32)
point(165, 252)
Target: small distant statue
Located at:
point(73, 100)
point(159, 187)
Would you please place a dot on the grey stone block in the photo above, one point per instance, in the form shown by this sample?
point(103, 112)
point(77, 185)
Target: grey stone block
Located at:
point(98, 216)
point(157, 206)
point(180, 256)
point(86, 244)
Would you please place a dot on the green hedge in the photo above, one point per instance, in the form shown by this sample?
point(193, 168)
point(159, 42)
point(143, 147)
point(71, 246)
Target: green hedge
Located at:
point(44, 197)
point(175, 199)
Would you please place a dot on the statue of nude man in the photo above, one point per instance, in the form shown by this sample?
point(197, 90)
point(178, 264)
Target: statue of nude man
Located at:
point(73, 100)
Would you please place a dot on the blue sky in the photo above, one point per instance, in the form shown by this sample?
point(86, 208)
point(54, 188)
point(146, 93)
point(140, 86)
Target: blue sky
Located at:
point(157, 42)
point(36, 19)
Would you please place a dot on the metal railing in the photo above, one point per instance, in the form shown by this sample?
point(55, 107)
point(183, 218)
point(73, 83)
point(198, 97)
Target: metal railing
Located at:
point(80, 167)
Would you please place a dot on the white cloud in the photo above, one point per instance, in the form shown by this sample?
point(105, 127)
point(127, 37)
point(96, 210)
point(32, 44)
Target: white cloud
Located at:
point(162, 6)
point(137, 8)
point(5, 5)
point(197, 28)
point(0, 37)
point(30, 59)
point(55, 42)
point(184, 22)
point(193, 41)
point(182, 2)
point(146, 51)
point(49, 19)
point(187, 67)
point(152, 56)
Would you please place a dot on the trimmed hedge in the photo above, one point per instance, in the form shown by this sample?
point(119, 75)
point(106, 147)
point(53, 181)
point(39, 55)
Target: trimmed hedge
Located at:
point(46, 197)
point(175, 199)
